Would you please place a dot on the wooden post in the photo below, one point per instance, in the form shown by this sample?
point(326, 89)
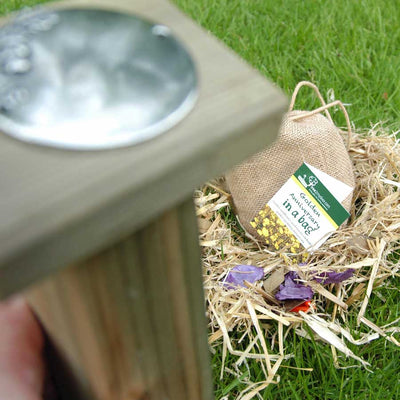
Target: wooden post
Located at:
point(105, 244)
point(130, 321)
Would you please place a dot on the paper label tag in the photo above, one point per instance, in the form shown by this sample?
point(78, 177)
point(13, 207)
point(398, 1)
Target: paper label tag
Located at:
point(304, 212)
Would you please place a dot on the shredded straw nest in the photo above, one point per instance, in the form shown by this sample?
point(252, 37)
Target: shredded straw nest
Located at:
point(368, 243)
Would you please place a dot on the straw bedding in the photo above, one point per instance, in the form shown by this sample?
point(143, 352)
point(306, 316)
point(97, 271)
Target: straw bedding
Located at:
point(251, 324)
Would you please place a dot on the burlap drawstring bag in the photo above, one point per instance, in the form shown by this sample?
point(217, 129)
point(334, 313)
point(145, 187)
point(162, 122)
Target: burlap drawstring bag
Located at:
point(305, 136)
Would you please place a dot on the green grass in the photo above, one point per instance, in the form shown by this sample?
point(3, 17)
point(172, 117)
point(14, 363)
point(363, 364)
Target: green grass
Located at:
point(352, 47)
point(7, 6)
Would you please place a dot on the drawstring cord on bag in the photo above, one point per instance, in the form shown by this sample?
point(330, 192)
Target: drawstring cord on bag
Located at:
point(324, 108)
point(317, 92)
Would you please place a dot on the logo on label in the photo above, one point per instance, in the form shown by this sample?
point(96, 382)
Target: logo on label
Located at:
point(312, 180)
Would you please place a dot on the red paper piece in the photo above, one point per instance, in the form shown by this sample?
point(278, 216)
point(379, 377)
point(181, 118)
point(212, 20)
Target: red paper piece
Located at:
point(305, 306)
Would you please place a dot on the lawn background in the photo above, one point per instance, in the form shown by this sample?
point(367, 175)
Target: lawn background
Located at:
point(352, 47)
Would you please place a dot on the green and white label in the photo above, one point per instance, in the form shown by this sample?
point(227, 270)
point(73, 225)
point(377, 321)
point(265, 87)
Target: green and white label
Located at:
point(307, 206)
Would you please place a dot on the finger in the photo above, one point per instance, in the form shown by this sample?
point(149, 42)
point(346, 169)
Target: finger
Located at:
point(21, 344)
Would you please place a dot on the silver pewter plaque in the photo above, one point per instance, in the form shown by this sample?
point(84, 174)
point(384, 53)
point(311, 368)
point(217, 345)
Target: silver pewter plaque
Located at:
point(89, 79)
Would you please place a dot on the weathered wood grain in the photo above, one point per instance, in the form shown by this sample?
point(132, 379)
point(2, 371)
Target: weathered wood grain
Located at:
point(130, 321)
point(57, 207)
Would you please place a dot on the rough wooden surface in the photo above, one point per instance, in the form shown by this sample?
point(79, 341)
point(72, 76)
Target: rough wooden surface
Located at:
point(130, 321)
point(57, 207)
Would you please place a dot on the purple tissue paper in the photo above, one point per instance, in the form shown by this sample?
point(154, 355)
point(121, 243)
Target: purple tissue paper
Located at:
point(334, 277)
point(237, 275)
point(291, 290)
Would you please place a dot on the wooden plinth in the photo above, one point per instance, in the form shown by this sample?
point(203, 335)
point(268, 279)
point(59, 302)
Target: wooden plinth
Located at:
point(106, 242)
